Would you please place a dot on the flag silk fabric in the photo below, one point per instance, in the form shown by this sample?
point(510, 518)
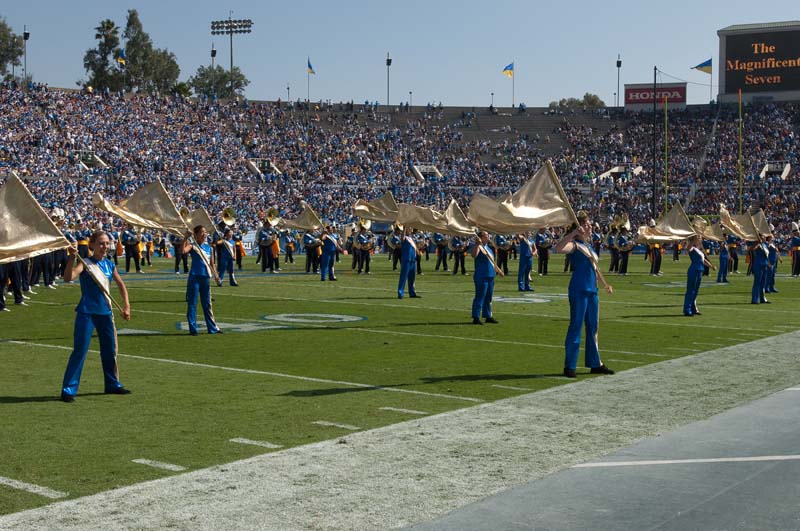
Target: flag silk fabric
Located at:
point(704, 67)
point(199, 216)
point(150, 207)
point(307, 220)
point(25, 228)
point(541, 202)
point(761, 223)
point(382, 209)
point(508, 71)
point(741, 226)
point(674, 226)
point(310, 68)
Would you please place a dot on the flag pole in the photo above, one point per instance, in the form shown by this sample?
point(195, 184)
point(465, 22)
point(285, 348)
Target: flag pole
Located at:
point(666, 156)
point(513, 81)
point(741, 127)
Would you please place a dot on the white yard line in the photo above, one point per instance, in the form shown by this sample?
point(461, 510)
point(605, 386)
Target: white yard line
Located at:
point(609, 464)
point(627, 361)
point(707, 344)
point(34, 489)
point(336, 425)
point(511, 387)
point(263, 444)
point(265, 373)
point(159, 464)
point(401, 410)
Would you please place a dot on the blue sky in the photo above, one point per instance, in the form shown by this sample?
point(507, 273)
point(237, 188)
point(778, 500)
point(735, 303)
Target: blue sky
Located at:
point(448, 51)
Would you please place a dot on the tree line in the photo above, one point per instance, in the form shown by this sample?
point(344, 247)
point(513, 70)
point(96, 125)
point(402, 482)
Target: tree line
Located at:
point(136, 66)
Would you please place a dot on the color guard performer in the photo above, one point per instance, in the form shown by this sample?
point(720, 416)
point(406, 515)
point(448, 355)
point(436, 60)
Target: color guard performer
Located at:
point(330, 246)
point(94, 312)
point(199, 281)
point(408, 265)
point(484, 273)
point(694, 274)
point(527, 250)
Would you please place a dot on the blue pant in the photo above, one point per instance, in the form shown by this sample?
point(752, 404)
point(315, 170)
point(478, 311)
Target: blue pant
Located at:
point(408, 273)
point(584, 310)
point(722, 273)
point(482, 303)
point(326, 265)
point(759, 284)
point(693, 279)
point(201, 286)
point(226, 266)
point(523, 276)
point(769, 285)
point(85, 324)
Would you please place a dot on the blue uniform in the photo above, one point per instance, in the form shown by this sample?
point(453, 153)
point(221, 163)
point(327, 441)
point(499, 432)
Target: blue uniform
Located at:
point(772, 259)
point(199, 283)
point(93, 312)
point(584, 308)
point(693, 277)
point(329, 248)
point(760, 267)
point(525, 265)
point(408, 268)
point(226, 258)
point(483, 277)
point(722, 274)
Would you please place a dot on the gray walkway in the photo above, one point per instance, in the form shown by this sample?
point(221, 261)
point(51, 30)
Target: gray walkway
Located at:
point(738, 470)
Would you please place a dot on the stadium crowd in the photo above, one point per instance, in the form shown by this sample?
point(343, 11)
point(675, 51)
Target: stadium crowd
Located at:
point(332, 155)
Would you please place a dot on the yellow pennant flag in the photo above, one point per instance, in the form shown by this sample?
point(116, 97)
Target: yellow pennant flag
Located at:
point(25, 228)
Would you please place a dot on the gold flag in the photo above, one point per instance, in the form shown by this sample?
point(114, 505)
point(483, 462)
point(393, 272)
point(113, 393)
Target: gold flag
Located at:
point(421, 218)
point(382, 209)
point(150, 207)
point(674, 226)
point(199, 216)
point(761, 223)
point(732, 224)
point(307, 220)
point(541, 202)
point(457, 222)
point(25, 228)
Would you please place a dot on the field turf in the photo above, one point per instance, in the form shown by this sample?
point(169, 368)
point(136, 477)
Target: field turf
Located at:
point(297, 351)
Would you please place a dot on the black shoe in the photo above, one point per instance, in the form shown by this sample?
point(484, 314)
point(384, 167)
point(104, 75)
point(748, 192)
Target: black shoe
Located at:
point(67, 398)
point(192, 333)
point(492, 320)
point(477, 321)
point(697, 313)
point(119, 391)
point(415, 296)
point(602, 369)
point(334, 279)
point(219, 331)
point(570, 373)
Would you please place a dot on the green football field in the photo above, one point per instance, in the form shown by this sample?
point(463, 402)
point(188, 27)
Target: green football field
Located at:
point(304, 361)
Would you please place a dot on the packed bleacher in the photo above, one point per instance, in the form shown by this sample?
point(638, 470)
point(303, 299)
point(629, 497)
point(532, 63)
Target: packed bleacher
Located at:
point(330, 155)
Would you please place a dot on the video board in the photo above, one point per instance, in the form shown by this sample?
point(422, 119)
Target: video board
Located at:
point(762, 62)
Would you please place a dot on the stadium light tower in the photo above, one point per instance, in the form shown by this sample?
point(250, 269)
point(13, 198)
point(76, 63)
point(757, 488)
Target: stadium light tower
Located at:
point(492, 93)
point(619, 65)
point(410, 98)
point(213, 55)
point(231, 27)
point(25, 36)
point(388, 64)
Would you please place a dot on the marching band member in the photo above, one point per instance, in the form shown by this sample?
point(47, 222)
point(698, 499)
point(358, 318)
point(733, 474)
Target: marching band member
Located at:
point(419, 241)
point(773, 257)
point(759, 266)
point(130, 240)
point(291, 243)
point(543, 241)
point(624, 244)
point(199, 281)
point(396, 244)
point(238, 238)
point(483, 276)
point(227, 256)
point(94, 311)
point(459, 247)
point(81, 234)
point(311, 245)
point(527, 250)
point(795, 250)
point(733, 246)
point(366, 242)
point(408, 265)
point(611, 244)
point(440, 240)
point(694, 274)
point(597, 239)
point(502, 244)
point(265, 238)
point(147, 241)
point(722, 273)
point(330, 246)
point(584, 305)
point(177, 249)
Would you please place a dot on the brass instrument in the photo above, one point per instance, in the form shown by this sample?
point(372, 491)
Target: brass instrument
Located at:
point(272, 218)
point(229, 217)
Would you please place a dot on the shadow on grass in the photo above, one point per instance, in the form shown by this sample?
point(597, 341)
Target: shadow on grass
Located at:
point(483, 377)
point(29, 399)
point(311, 393)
